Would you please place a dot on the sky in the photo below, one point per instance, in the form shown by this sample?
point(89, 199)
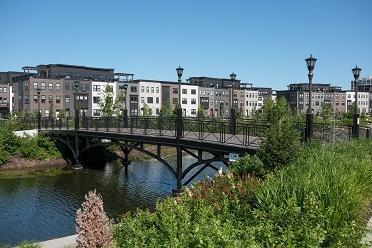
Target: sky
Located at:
point(263, 42)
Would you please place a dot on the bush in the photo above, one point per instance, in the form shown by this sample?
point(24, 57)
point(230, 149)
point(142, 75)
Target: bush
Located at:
point(4, 155)
point(93, 226)
point(39, 147)
point(248, 165)
point(281, 145)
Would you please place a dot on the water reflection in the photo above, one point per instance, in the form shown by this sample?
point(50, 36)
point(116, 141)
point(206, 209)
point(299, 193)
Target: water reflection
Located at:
point(44, 207)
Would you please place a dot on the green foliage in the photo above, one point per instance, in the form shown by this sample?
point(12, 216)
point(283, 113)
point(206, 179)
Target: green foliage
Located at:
point(200, 113)
point(248, 165)
point(146, 111)
point(166, 110)
point(282, 142)
point(29, 244)
point(316, 201)
point(107, 104)
point(39, 147)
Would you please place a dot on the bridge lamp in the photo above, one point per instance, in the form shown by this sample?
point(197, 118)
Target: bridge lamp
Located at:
point(38, 91)
point(232, 77)
point(124, 87)
point(310, 62)
point(179, 74)
point(356, 74)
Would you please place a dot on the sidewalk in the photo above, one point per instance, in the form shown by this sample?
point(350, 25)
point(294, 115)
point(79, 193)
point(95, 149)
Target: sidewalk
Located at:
point(65, 242)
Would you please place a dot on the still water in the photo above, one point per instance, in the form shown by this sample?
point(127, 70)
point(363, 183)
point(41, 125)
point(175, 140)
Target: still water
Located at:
point(44, 207)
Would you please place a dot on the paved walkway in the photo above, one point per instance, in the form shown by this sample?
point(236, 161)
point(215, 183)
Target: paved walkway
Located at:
point(65, 242)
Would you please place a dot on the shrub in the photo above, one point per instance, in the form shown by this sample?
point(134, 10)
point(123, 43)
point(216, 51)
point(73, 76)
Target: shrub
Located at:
point(93, 226)
point(4, 155)
point(248, 165)
point(39, 147)
point(281, 145)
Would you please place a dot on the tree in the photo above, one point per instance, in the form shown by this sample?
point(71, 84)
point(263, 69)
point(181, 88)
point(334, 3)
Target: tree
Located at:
point(282, 141)
point(201, 113)
point(146, 111)
point(326, 111)
point(51, 109)
point(166, 110)
point(108, 105)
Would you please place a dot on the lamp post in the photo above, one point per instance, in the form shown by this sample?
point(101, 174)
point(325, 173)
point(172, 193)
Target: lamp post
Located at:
point(125, 111)
point(310, 62)
point(76, 108)
point(356, 73)
point(179, 131)
point(38, 91)
point(232, 110)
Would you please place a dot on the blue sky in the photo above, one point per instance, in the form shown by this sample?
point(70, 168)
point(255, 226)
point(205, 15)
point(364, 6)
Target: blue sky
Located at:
point(263, 42)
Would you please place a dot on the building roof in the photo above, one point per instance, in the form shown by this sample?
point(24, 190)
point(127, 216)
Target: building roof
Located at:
point(74, 66)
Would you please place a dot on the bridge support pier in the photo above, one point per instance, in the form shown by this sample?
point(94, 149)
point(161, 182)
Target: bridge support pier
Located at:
point(179, 169)
point(125, 162)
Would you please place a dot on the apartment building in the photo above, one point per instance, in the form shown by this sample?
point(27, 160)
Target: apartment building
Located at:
point(99, 91)
point(6, 94)
point(214, 82)
point(206, 101)
point(169, 94)
point(189, 100)
point(149, 95)
point(251, 102)
point(363, 101)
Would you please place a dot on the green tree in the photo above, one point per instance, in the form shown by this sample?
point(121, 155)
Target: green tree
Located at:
point(146, 111)
point(166, 110)
point(51, 109)
point(201, 113)
point(326, 111)
point(108, 105)
point(281, 143)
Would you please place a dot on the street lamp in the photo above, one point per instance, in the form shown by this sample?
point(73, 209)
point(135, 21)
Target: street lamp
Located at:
point(76, 108)
point(356, 73)
point(232, 77)
point(310, 62)
point(38, 91)
point(125, 111)
point(179, 74)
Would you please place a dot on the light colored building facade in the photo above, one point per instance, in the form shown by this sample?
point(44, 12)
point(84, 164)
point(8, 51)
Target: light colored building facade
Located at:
point(98, 93)
point(189, 100)
point(150, 95)
point(251, 102)
point(363, 101)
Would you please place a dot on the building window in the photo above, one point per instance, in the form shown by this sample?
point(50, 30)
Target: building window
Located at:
point(147, 89)
point(96, 99)
point(142, 100)
point(97, 88)
point(143, 89)
point(67, 86)
point(157, 111)
point(5, 90)
point(43, 99)
point(47, 113)
point(67, 99)
point(58, 99)
point(157, 89)
point(133, 99)
point(175, 100)
point(184, 91)
point(57, 86)
point(50, 99)
point(35, 99)
point(157, 99)
point(193, 101)
point(184, 100)
point(193, 111)
point(50, 86)
point(27, 100)
point(133, 89)
point(150, 100)
point(175, 90)
point(96, 112)
point(35, 86)
point(152, 90)
point(43, 86)
point(193, 91)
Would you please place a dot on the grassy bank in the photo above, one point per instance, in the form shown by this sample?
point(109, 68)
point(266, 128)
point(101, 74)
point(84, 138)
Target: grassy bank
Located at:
point(320, 200)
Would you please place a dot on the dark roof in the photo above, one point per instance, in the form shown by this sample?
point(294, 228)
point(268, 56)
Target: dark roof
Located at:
point(75, 67)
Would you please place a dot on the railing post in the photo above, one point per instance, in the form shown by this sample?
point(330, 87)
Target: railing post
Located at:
point(179, 123)
point(77, 116)
point(367, 133)
point(107, 124)
point(38, 121)
point(309, 127)
point(356, 125)
point(233, 121)
point(125, 118)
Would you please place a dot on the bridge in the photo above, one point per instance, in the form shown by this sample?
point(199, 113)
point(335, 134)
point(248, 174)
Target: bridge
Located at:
point(193, 136)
